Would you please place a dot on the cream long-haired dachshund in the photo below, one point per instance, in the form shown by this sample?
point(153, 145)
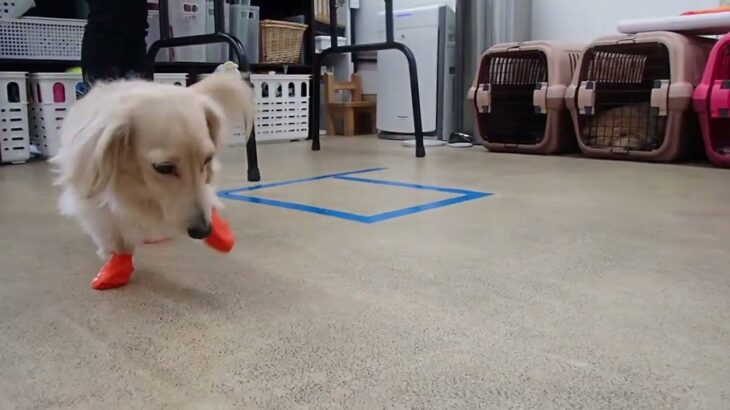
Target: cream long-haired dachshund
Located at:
point(138, 160)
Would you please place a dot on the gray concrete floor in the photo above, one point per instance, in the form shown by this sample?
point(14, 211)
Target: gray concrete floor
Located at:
point(579, 284)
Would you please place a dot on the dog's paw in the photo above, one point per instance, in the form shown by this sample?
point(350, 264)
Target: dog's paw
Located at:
point(115, 273)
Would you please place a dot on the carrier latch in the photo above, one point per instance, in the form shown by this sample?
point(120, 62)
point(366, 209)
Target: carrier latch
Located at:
point(539, 98)
point(587, 98)
point(660, 97)
point(482, 95)
point(720, 99)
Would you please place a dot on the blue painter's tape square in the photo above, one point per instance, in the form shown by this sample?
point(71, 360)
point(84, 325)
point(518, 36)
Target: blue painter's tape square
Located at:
point(459, 196)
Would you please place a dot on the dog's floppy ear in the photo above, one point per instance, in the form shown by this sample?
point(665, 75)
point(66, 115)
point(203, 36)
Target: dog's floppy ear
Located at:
point(214, 118)
point(233, 95)
point(91, 165)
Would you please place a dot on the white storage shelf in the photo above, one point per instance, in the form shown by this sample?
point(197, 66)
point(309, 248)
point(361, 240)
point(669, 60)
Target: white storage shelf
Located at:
point(14, 136)
point(242, 21)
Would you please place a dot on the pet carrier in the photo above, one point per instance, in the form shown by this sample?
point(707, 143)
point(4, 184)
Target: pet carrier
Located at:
point(519, 97)
point(630, 96)
point(712, 102)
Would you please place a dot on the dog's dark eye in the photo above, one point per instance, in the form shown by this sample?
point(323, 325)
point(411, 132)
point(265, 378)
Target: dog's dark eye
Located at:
point(164, 168)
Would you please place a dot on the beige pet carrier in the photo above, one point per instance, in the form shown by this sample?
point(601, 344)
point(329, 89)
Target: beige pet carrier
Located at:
point(519, 97)
point(631, 96)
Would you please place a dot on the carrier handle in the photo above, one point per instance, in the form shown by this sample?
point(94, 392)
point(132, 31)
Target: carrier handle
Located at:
point(539, 98)
point(680, 96)
point(660, 97)
point(471, 94)
point(720, 99)
point(482, 96)
point(587, 98)
point(556, 97)
point(570, 97)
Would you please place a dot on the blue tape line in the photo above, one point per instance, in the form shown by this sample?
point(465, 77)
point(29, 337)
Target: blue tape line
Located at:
point(384, 216)
point(463, 196)
point(299, 207)
point(407, 185)
point(299, 181)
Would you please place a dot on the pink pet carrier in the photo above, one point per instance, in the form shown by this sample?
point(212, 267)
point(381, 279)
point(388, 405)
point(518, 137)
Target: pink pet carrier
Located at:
point(712, 102)
point(518, 94)
point(631, 96)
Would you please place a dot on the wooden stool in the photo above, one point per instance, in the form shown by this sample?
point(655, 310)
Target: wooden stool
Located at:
point(349, 111)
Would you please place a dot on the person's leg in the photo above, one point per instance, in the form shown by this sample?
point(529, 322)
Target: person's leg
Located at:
point(114, 39)
point(135, 47)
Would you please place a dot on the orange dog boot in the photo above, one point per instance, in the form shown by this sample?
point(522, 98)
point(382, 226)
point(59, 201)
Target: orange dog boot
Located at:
point(221, 237)
point(115, 273)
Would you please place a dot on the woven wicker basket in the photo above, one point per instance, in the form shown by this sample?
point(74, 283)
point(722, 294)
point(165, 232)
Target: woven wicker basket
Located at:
point(281, 41)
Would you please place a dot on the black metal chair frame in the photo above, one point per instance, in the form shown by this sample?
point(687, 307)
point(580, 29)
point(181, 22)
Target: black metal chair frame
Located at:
point(389, 44)
point(219, 36)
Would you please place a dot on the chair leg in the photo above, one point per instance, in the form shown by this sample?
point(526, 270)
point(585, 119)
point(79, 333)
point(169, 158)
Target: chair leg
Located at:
point(314, 102)
point(373, 121)
point(331, 121)
point(415, 98)
point(349, 120)
point(252, 158)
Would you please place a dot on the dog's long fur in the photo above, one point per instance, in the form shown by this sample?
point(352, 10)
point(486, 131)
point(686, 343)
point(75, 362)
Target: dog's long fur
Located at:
point(116, 135)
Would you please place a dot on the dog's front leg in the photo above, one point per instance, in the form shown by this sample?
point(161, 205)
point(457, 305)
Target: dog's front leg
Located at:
point(221, 237)
point(118, 269)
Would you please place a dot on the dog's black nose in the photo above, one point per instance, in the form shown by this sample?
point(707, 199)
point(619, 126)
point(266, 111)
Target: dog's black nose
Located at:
point(200, 230)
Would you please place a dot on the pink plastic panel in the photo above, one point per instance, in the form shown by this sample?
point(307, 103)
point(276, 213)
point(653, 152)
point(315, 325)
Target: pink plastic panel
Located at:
point(59, 93)
point(720, 99)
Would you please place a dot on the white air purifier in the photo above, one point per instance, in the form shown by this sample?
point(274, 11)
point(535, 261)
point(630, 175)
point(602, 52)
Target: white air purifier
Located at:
point(430, 34)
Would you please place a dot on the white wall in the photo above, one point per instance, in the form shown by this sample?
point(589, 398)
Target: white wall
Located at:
point(560, 20)
point(585, 20)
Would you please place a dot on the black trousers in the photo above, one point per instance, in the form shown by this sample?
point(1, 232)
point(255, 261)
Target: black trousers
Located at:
point(114, 41)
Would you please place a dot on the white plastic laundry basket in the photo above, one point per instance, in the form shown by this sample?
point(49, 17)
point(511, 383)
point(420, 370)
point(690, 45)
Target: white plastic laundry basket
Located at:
point(12, 9)
point(51, 95)
point(282, 106)
point(187, 18)
point(180, 79)
point(14, 140)
point(41, 38)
